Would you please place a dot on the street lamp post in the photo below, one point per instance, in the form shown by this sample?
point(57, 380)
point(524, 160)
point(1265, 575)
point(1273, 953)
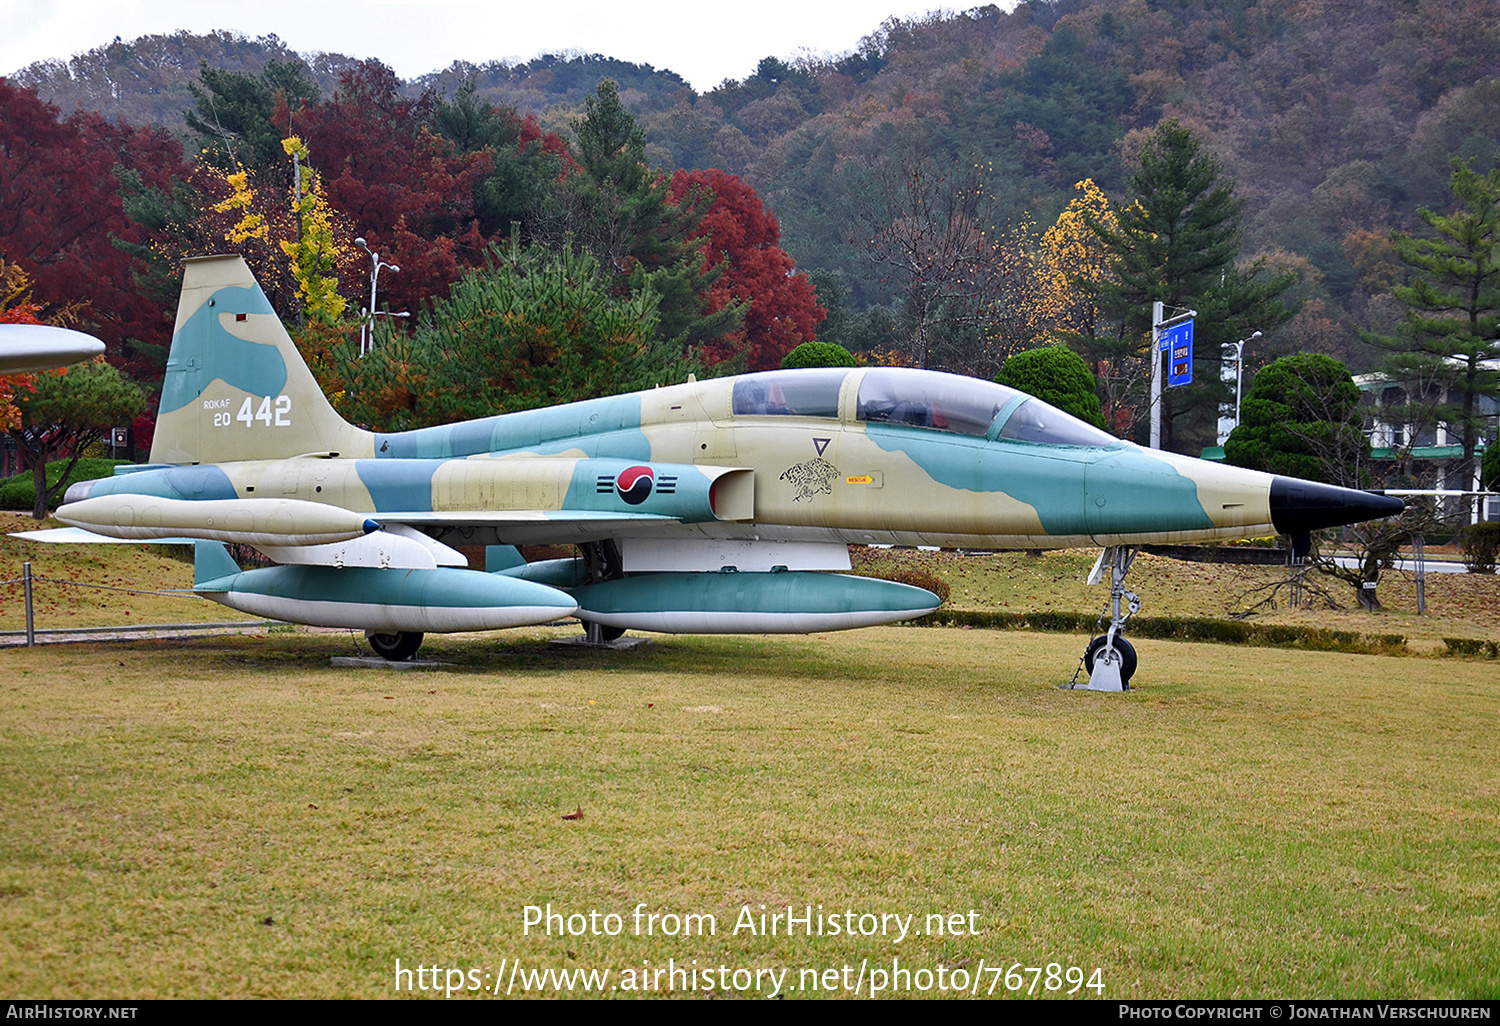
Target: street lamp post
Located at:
point(1239, 372)
point(367, 329)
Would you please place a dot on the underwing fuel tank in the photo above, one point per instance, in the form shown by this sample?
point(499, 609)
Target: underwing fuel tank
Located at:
point(788, 602)
point(238, 521)
point(434, 601)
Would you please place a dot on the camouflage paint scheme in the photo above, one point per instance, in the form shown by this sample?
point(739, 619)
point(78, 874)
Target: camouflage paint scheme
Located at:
point(665, 491)
point(238, 396)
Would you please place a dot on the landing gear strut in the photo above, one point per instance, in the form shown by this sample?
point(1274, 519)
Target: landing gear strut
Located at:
point(602, 559)
point(1110, 660)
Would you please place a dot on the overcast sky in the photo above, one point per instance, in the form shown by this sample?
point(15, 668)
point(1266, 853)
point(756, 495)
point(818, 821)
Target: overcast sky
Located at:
point(703, 42)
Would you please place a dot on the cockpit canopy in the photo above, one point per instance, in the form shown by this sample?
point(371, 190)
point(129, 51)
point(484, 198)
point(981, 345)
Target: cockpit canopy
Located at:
point(917, 398)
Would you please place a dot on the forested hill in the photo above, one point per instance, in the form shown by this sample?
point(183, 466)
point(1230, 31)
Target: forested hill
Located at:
point(1336, 118)
point(146, 80)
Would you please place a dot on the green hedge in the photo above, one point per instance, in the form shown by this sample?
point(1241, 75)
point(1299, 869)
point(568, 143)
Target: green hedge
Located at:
point(1176, 628)
point(19, 493)
point(1472, 647)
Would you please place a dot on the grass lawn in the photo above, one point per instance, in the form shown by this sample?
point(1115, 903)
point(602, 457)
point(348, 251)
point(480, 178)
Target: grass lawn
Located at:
point(236, 817)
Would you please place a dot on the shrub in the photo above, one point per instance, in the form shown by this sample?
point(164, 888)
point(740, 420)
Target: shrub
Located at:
point(1056, 375)
point(907, 575)
point(19, 492)
point(817, 354)
point(1481, 544)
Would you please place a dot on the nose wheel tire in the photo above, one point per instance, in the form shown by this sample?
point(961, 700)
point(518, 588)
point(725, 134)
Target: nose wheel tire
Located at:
point(1123, 647)
point(396, 647)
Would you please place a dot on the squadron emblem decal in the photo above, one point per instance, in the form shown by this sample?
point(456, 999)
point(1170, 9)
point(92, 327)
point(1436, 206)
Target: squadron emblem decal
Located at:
point(815, 477)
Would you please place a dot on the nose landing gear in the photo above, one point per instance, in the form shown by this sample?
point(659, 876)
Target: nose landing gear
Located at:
point(1109, 659)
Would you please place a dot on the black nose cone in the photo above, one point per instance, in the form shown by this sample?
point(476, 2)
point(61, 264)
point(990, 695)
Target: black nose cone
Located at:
point(1299, 506)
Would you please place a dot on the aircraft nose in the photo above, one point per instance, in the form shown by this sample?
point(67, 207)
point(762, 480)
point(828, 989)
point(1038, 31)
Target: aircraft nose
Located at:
point(1299, 506)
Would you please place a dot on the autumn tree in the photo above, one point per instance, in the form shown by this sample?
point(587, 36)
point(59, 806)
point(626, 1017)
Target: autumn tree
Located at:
point(316, 250)
point(735, 231)
point(924, 223)
point(403, 187)
point(1075, 266)
point(1175, 239)
point(62, 219)
point(1019, 308)
point(16, 307)
point(1448, 355)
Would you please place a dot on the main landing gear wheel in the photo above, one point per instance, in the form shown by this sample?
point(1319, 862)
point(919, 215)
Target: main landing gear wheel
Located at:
point(1125, 649)
point(396, 647)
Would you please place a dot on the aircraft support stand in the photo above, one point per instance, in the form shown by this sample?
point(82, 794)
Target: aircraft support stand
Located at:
point(1109, 659)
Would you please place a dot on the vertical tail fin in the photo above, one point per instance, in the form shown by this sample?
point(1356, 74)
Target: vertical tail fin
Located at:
point(236, 388)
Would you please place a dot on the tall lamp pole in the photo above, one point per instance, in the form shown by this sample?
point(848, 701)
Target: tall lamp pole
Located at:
point(367, 329)
point(1239, 372)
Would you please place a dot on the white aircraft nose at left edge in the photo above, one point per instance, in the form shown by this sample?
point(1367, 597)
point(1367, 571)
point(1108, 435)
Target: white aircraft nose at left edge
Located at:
point(25, 348)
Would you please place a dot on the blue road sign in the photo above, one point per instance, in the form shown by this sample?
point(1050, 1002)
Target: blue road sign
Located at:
point(1177, 342)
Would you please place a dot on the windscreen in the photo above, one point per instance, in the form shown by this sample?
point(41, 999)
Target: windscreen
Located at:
point(969, 406)
point(1035, 421)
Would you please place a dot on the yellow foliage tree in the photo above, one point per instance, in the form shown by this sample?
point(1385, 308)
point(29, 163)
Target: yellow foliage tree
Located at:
point(251, 225)
point(314, 253)
point(1072, 258)
point(294, 248)
point(1077, 268)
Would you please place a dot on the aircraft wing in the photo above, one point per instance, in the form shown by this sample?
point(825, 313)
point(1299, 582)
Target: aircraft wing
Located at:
point(78, 536)
point(312, 534)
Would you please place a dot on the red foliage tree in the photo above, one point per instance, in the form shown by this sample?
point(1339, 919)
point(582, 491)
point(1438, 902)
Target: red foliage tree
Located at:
point(405, 189)
point(782, 310)
point(61, 214)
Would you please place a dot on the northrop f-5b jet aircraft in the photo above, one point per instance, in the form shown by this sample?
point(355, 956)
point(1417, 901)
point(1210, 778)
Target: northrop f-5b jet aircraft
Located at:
point(704, 507)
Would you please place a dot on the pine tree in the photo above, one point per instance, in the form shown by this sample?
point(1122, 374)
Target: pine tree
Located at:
point(1175, 240)
point(621, 209)
point(1448, 350)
